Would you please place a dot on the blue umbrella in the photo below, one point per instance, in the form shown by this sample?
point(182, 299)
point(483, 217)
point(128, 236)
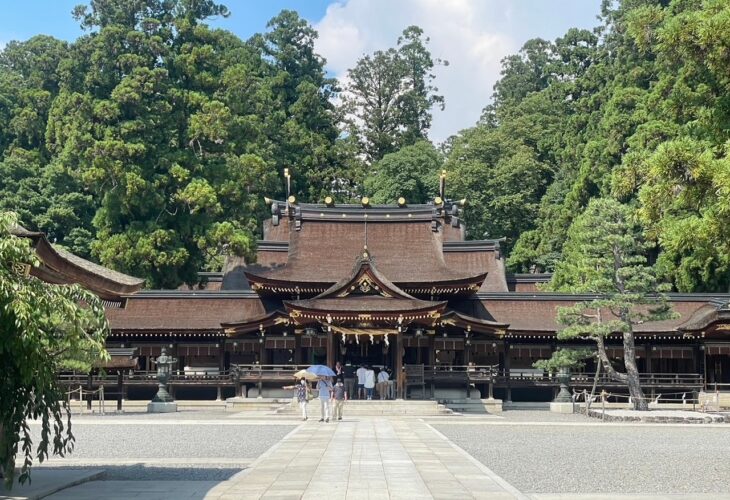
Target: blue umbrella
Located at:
point(321, 370)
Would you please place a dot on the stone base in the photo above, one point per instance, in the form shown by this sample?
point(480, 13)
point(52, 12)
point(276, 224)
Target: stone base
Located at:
point(561, 407)
point(492, 405)
point(161, 407)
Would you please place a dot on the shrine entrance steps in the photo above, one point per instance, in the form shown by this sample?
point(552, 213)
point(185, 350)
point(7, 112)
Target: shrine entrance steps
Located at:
point(373, 408)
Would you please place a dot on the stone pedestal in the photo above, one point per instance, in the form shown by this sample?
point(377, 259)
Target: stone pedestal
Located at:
point(155, 407)
point(556, 407)
point(492, 405)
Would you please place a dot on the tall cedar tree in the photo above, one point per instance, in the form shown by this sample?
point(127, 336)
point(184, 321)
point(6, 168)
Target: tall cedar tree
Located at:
point(44, 328)
point(604, 255)
point(390, 95)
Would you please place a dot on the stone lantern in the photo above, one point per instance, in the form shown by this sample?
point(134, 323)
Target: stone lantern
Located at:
point(163, 402)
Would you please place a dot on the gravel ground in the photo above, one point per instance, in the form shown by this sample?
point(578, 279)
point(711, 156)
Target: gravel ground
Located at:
point(543, 416)
point(205, 452)
point(597, 459)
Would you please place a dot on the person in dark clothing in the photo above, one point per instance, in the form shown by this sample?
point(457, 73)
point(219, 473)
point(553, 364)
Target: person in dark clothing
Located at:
point(339, 396)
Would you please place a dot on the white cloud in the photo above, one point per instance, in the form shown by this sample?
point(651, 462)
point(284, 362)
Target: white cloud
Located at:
point(471, 34)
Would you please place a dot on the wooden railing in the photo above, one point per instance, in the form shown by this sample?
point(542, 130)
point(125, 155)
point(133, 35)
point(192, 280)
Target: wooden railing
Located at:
point(257, 374)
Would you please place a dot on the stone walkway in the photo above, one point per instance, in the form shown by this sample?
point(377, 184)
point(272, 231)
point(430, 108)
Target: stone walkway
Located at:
point(366, 459)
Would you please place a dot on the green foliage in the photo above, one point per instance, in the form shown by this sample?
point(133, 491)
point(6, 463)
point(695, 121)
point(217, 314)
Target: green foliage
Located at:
point(412, 172)
point(390, 95)
point(604, 255)
point(150, 143)
point(643, 117)
point(564, 358)
point(502, 179)
point(43, 328)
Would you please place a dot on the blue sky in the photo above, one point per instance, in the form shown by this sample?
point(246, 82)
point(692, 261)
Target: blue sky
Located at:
point(473, 35)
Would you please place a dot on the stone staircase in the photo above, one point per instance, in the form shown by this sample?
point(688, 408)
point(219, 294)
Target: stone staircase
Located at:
point(269, 405)
point(374, 408)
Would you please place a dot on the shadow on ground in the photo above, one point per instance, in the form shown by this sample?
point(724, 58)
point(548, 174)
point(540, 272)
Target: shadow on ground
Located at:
point(144, 472)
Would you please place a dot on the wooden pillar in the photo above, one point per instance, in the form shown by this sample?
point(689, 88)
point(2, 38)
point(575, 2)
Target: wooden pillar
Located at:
point(262, 351)
point(297, 349)
point(222, 356)
point(120, 388)
point(174, 353)
point(431, 350)
point(432, 362)
point(89, 386)
point(508, 396)
point(467, 349)
point(330, 349)
point(702, 363)
point(647, 350)
point(400, 381)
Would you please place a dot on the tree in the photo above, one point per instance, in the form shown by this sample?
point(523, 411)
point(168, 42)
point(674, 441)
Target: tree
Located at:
point(412, 172)
point(501, 177)
point(563, 359)
point(167, 129)
point(302, 126)
point(43, 328)
point(604, 255)
point(390, 94)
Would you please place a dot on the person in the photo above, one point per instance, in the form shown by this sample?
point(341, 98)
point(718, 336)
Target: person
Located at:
point(324, 387)
point(391, 384)
point(402, 390)
point(301, 393)
point(361, 372)
point(369, 382)
point(349, 379)
point(383, 383)
point(339, 396)
point(339, 371)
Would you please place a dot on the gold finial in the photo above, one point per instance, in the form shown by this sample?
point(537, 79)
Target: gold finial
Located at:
point(401, 202)
point(329, 201)
point(287, 176)
point(443, 174)
point(268, 200)
point(292, 199)
point(365, 201)
point(462, 202)
point(438, 201)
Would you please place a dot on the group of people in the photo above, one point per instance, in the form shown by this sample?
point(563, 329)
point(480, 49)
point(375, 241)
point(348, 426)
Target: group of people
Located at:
point(333, 395)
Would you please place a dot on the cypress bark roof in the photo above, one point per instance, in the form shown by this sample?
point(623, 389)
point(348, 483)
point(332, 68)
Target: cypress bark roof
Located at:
point(61, 266)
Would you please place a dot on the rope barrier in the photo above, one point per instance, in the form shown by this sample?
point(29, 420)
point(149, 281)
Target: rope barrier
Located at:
point(88, 392)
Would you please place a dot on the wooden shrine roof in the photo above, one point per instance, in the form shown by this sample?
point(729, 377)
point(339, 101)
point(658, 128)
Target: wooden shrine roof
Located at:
point(61, 266)
point(182, 311)
point(407, 252)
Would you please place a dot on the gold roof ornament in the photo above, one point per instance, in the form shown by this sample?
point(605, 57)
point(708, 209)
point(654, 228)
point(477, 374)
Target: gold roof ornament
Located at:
point(438, 200)
point(329, 201)
point(401, 202)
point(292, 199)
point(365, 201)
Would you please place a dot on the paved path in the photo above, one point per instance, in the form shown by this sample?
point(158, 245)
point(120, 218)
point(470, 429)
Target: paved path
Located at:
point(366, 459)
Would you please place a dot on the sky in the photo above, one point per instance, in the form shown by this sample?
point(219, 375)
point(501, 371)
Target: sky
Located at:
point(472, 35)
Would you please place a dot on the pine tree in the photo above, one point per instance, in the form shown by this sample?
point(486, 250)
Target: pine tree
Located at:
point(604, 255)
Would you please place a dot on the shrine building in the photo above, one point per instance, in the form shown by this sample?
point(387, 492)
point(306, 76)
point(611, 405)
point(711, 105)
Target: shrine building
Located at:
point(394, 286)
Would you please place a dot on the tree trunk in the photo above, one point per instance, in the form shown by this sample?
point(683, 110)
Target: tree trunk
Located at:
point(632, 372)
point(603, 357)
point(595, 383)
